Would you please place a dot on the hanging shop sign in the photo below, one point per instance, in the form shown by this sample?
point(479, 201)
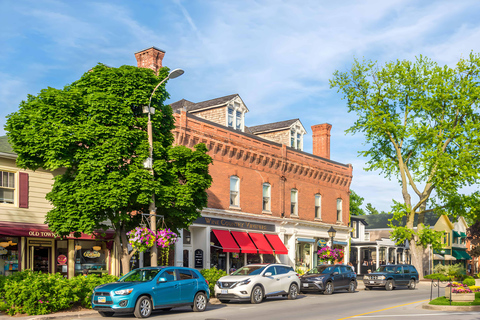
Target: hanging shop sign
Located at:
point(91, 254)
point(198, 258)
point(322, 243)
point(62, 259)
point(235, 224)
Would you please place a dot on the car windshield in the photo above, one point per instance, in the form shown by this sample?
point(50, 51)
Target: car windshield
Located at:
point(248, 270)
point(387, 269)
point(140, 275)
point(321, 269)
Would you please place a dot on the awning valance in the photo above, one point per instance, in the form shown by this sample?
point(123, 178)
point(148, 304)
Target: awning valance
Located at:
point(244, 241)
point(456, 234)
point(461, 255)
point(276, 244)
point(438, 257)
point(226, 241)
point(261, 243)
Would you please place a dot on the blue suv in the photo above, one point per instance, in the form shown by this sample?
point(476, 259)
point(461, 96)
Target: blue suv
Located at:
point(391, 276)
point(154, 288)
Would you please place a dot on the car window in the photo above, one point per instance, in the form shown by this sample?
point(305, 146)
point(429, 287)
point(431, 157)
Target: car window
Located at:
point(399, 270)
point(337, 269)
point(345, 269)
point(281, 269)
point(321, 269)
point(185, 274)
point(140, 275)
point(387, 269)
point(170, 275)
point(272, 270)
point(248, 270)
point(406, 269)
point(413, 270)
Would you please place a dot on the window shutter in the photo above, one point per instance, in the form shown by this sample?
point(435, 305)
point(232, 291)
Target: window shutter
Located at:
point(23, 190)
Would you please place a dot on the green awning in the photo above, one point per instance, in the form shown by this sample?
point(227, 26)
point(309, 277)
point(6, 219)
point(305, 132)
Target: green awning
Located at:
point(466, 255)
point(456, 234)
point(463, 235)
point(461, 255)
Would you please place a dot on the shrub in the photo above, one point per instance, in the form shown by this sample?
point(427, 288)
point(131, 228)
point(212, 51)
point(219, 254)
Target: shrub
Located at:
point(469, 282)
point(455, 270)
point(438, 276)
point(212, 275)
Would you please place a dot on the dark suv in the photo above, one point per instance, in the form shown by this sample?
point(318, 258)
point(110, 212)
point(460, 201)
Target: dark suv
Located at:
point(326, 278)
point(391, 276)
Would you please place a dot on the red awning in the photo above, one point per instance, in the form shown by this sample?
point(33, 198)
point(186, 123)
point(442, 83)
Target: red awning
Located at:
point(226, 240)
point(277, 244)
point(261, 243)
point(244, 242)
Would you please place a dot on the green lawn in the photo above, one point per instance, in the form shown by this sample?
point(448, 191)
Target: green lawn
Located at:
point(442, 301)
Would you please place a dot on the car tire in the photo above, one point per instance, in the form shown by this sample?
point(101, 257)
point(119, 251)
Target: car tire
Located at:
point(224, 301)
point(106, 313)
point(352, 287)
point(329, 288)
point(199, 302)
point(143, 307)
point(412, 284)
point(368, 288)
point(293, 292)
point(389, 285)
point(257, 295)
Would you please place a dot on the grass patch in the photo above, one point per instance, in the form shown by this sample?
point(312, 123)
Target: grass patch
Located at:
point(442, 301)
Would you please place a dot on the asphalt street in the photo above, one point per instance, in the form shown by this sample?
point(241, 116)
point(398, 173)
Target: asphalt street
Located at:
point(400, 303)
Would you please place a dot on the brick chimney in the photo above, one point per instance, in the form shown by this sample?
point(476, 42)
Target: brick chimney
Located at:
point(321, 140)
point(150, 58)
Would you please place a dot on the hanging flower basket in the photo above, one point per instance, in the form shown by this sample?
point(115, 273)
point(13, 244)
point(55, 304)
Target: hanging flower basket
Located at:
point(166, 237)
point(328, 254)
point(142, 238)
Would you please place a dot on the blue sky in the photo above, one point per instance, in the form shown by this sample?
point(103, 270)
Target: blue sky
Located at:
point(278, 55)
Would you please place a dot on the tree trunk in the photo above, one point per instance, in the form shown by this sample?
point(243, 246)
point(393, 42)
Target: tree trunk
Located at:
point(121, 244)
point(417, 257)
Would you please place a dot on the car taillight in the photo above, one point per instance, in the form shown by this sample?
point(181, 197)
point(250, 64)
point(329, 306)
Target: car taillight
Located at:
point(207, 281)
point(298, 275)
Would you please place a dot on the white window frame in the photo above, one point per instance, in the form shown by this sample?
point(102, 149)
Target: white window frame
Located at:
point(339, 209)
point(318, 206)
point(11, 176)
point(294, 131)
point(294, 204)
point(268, 198)
point(235, 193)
point(236, 107)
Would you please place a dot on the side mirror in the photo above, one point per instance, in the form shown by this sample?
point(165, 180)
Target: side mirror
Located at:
point(161, 280)
point(267, 274)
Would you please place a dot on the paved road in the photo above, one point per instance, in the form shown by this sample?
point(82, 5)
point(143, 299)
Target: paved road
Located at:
point(376, 304)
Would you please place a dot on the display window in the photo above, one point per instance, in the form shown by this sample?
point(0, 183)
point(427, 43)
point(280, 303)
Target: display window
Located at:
point(8, 255)
point(303, 257)
point(90, 255)
point(253, 258)
point(218, 258)
point(268, 258)
point(236, 261)
point(61, 258)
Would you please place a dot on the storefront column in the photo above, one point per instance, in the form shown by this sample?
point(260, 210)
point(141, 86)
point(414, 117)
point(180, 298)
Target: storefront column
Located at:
point(292, 241)
point(359, 256)
point(346, 254)
point(403, 255)
point(396, 255)
point(23, 253)
point(71, 259)
point(377, 256)
point(207, 248)
point(179, 250)
point(387, 259)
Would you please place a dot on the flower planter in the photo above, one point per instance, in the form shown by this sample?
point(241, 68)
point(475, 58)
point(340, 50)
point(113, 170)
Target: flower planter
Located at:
point(460, 297)
point(477, 282)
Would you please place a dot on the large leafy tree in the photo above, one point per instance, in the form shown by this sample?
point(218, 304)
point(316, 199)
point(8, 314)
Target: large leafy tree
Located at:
point(355, 204)
point(95, 132)
point(421, 124)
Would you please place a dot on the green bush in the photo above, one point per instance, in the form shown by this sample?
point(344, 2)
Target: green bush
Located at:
point(469, 282)
point(37, 293)
point(212, 275)
point(438, 276)
point(455, 270)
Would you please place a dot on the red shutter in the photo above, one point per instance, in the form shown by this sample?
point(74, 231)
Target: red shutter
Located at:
point(23, 190)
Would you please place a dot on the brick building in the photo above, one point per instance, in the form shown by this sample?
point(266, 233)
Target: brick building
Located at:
point(269, 200)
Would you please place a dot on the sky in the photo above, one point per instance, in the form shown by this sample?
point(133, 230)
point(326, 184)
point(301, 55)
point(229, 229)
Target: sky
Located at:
point(277, 55)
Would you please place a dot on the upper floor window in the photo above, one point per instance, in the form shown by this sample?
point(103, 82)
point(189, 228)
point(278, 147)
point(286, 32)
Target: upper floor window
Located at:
point(296, 137)
point(266, 197)
point(339, 209)
point(294, 202)
point(234, 191)
point(235, 116)
point(7, 187)
point(318, 206)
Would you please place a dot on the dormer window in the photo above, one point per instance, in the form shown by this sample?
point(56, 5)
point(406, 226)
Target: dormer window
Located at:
point(235, 116)
point(296, 137)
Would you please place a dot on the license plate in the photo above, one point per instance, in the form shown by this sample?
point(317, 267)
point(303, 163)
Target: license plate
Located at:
point(372, 281)
point(102, 299)
point(224, 291)
point(305, 285)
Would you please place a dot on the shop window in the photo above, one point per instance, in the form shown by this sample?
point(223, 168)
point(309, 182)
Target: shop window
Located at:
point(187, 236)
point(8, 255)
point(236, 261)
point(253, 258)
point(266, 197)
point(294, 202)
point(7, 187)
point(90, 255)
point(61, 257)
point(234, 191)
point(339, 209)
point(303, 256)
point(268, 258)
point(318, 206)
point(218, 258)
point(186, 258)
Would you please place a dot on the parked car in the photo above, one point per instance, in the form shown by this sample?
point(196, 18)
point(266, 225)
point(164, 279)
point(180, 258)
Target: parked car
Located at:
point(145, 289)
point(327, 278)
point(391, 276)
point(255, 282)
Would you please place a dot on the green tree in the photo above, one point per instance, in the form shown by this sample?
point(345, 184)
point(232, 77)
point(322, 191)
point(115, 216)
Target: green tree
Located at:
point(372, 210)
point(355, 204)
point(421, 123)
point(94, 131)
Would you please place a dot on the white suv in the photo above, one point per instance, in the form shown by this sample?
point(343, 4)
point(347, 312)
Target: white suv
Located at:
point(255, 282)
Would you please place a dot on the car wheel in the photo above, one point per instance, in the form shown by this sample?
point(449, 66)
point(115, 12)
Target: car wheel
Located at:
point(328, 288)
point(368, 288)
point(411, 285)
point(389, 285)
point(106, 313)
point(351, 287)
point(293, 292)
point(143, 307)
point(257, 295)
point(224, 301)
point(200, 302)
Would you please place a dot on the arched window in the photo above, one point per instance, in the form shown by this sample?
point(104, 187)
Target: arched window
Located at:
point(318, 206)
point(294, 202)
point(234, 191)
point(266, 197)
point(339, 209)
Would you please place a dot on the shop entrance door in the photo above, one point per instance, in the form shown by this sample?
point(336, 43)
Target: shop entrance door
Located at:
point(40, 256)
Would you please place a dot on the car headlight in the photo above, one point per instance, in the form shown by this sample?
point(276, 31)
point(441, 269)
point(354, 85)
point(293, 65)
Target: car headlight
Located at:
point(381, 277)
point(318, 278)
point(241, 283)
point(365, 277)
point(123, 292)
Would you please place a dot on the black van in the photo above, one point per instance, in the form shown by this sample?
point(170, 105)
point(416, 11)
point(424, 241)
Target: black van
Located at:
point(391, 276)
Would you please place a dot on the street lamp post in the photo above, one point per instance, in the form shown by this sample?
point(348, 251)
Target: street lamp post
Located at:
point(149, 163)
point(332, 232)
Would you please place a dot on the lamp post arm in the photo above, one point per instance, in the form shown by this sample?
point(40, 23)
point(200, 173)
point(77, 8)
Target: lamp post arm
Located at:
point(158, 85)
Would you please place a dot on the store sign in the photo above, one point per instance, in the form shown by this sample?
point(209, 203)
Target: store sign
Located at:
point(3, 251)
point(235, 224)
point(322, 243)
point(62, 259)
point(198, 258)
point(91, 254)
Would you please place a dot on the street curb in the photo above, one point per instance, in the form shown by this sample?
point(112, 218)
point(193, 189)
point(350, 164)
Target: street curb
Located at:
point(450, 308)
point(62, 315)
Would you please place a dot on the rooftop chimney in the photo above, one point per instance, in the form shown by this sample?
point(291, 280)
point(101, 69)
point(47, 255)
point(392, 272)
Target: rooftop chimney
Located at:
point(150, 58)
point(321, 140)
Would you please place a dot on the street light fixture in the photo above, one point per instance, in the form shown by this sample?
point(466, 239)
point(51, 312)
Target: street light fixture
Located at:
point(332, 232)
point(149, 162)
